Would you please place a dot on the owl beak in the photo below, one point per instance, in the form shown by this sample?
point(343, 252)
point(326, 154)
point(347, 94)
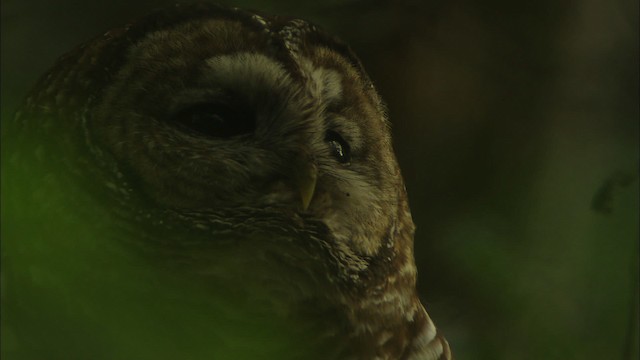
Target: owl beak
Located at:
point(305, 174)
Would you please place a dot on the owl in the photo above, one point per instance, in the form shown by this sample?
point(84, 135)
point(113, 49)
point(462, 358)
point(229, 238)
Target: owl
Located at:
point(208, 182)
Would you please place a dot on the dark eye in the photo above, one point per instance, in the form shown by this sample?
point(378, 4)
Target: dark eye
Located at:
point(216, 120)
point(340, 149)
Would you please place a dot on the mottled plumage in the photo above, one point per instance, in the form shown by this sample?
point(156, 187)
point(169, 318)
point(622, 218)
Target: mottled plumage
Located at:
point(245, 151)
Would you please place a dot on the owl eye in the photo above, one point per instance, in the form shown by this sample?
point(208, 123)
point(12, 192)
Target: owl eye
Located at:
point(339, 147)
point(216, 120)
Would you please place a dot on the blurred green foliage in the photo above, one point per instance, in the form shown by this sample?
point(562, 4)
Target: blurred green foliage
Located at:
point(72, 286)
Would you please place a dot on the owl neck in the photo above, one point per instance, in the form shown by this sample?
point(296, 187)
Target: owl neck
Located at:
point(390, 321)
point(426, 342)
point(395, 325)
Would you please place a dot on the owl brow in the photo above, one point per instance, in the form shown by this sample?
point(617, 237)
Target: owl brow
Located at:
point(321, 38)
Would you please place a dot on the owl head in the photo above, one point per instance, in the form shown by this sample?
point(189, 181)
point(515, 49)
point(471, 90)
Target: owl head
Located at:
point(221, 121)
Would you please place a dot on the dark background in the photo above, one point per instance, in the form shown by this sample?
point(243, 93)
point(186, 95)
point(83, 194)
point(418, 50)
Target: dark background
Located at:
point(516, 126)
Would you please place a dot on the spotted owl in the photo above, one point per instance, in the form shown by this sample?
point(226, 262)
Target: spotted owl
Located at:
point(209, 182)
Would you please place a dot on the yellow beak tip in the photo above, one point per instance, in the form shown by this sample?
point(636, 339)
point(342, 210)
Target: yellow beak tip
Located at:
point(306, 174)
